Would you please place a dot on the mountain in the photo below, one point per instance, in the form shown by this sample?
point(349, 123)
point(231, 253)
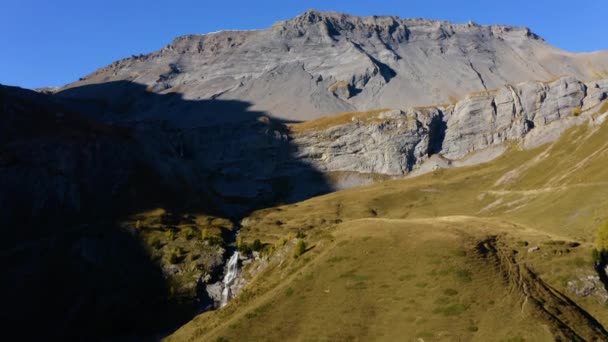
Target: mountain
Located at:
point(125, 194)
point(321, 63)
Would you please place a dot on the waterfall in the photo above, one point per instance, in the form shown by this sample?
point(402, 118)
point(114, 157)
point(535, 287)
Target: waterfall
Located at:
point(230, 276)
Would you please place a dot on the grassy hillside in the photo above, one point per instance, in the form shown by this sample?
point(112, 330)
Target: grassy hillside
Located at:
point(486, 253)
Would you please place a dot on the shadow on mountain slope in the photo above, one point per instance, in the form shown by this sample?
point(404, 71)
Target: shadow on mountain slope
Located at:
point(75, 164)
point(220, 148)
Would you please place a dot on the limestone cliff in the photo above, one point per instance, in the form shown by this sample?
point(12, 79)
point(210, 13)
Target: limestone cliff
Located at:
point(473, 130)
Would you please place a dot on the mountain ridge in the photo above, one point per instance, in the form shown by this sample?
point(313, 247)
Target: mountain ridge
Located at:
point(319, 63)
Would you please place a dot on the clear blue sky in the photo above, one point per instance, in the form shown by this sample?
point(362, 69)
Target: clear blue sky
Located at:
point(53, 42)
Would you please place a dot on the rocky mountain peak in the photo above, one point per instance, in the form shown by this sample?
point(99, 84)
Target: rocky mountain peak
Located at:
point(322, 63)
point(343, 24)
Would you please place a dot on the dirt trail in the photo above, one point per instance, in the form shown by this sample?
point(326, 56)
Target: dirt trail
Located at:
point(565, 319)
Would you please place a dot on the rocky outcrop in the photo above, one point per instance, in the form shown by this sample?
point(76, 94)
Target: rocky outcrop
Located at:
point(322, 63)
point(391, 143)
point(399, 142)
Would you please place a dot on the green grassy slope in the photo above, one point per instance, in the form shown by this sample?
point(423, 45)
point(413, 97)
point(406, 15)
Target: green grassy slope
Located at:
point(440, 257)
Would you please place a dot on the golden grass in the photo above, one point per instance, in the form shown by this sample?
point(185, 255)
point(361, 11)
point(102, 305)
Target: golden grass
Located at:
point(335, 120)
point(393, 260)
point(483, 93)
point(378, 279)
point(603, 108)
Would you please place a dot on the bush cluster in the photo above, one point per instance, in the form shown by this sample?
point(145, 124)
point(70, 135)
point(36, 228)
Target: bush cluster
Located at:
point(300, 248)
point(600, 253)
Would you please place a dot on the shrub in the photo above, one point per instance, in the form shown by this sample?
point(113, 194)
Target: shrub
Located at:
point(242, 246)
point(463, 276)
point(595, 256)
point(300, 234)
point(577, 111)
point(210, 239)
point(170, 235)
point(257, 245)
point(600, 254)
point(188, 233)
point(155, 243)
point(175, 256)
point(451, 310)
point(601, 239)
point(282, 241)
point(215, 241)
point(450, 292)
point(300, 248)
point(268, 251)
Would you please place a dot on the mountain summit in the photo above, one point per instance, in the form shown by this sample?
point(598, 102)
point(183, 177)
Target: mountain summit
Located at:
point(320, 63)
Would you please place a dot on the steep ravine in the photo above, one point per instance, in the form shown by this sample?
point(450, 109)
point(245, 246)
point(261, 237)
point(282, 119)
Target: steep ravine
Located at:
point(219, 290)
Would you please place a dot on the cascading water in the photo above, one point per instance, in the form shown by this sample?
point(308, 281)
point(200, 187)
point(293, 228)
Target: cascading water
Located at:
point(230, 276)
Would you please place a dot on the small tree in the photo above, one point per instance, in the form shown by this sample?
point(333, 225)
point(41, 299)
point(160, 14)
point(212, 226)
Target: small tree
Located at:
point(600, 254)
point(242, 246)
point(175, 256)
point(257, 245)
point(188, 233)
point(300, 248)
point(601, 239)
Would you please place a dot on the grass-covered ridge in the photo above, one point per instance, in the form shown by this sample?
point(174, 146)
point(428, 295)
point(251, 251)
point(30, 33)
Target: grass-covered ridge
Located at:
point(336, 120)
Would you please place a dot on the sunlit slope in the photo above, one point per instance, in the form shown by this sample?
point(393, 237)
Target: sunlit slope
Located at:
point(558, 188)
point(440, 257)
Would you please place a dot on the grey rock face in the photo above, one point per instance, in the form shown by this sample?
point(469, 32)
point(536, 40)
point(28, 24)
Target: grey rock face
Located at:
point(318, 64)
point(396, 142)
point(588, 286)
point(393, 143)
point(509, 113)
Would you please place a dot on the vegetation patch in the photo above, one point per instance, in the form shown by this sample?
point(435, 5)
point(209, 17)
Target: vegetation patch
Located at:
point(450, 292)
point(451, 310)
point(299, 249)
point(464, 276)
